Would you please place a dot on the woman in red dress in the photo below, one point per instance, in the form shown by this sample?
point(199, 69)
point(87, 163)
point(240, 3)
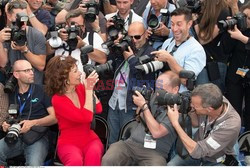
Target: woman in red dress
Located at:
point(78, 145)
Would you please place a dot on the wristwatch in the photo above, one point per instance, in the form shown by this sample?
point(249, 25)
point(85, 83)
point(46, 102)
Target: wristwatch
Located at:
point(26, 51)
point(31, 15)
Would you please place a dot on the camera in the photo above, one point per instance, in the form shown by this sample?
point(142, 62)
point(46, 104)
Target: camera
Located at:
point(18, 35)
point(118, 26)
point(84, 53)
point(153, 21)
point(14, 130)
point(55, 41)
point(240, 19)
point(101, 69)
point(123, 45)
point(145, 91)
point(183, 99)
point(11, 83)
point(193, 5)
point(73, 31)
point(150, 67)
point(118, 22)
point(92, 10)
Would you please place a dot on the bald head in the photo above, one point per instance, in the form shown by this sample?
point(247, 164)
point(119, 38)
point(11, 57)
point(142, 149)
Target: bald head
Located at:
point(136, 30)
point(21, 64)
point(136, 25)
point(169, 81)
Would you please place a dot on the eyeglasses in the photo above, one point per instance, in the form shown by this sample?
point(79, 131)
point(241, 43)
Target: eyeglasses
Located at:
point(26, 70)
point(137, 37)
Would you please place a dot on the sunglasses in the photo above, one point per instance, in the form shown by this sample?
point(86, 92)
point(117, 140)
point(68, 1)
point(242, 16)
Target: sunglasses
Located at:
point(137, 37)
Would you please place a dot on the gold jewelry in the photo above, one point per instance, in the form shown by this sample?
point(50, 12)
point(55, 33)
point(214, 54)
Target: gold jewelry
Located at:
point(70, 91)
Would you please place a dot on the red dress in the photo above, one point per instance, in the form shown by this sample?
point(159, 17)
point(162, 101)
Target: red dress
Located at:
point(77, 144)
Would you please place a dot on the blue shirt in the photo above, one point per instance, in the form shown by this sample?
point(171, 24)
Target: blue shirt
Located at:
point(190, 55)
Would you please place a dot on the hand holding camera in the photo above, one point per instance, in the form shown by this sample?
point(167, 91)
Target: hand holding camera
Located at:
point(127, 54)
point(5, 126)
point(173, 115)
point(63, 34)
point(162, 30)
point(138, 99)
point(237, 34)
point(5, 34)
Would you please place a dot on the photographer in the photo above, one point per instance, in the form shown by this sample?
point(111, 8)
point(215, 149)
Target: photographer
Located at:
point(126, 76)
point(97, 24)
point(159, 11)
point(35, 110)
point(38, 18)
point(238, 75)
point(32, 42)
point(76, 25)
point(154, 124)
point(182, 51)
point(218, 129)
point(211, 37)
point(124, 12)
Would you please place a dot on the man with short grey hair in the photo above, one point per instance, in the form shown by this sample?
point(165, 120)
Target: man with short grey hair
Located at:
point(219, 126)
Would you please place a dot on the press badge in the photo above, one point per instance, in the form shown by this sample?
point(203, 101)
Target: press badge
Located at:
point(149, 142)
point(242, 72)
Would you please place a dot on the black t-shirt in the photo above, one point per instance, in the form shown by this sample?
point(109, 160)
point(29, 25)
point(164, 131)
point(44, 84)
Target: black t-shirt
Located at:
point(240, 56)
point(214, 49)
point(37, 101)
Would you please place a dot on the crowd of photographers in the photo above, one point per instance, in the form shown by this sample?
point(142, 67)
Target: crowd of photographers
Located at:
point(170, 65)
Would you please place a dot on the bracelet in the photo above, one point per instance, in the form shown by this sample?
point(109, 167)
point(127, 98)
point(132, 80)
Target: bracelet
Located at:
point(143, 108)
point(31, 15)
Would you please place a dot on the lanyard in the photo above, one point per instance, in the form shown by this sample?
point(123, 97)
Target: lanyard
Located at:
point(175, 48)
point(207, 132)
point(20, 103)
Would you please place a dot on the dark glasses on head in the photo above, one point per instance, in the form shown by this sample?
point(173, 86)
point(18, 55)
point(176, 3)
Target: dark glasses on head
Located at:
point(137, 37)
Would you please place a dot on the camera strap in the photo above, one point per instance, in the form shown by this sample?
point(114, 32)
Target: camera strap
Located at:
point(141, 50)
point(93, 123)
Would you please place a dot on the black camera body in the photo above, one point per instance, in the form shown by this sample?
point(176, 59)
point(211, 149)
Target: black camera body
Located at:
point(14, 130)
point(92, 10)
point(145, 91)
point(193, 5)
point(73, 31)
point(118, 22)
point(11, 83)
point(154, 24)
point(101, 69)
point(18, 35)
point(183, 99)
point(240, 19)
point(123, 45)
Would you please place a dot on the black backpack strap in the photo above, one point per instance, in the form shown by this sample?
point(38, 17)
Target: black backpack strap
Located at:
point(91, 38)
point(187, 126)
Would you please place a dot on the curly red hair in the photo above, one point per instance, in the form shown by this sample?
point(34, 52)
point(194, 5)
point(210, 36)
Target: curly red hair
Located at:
point(57, 74)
